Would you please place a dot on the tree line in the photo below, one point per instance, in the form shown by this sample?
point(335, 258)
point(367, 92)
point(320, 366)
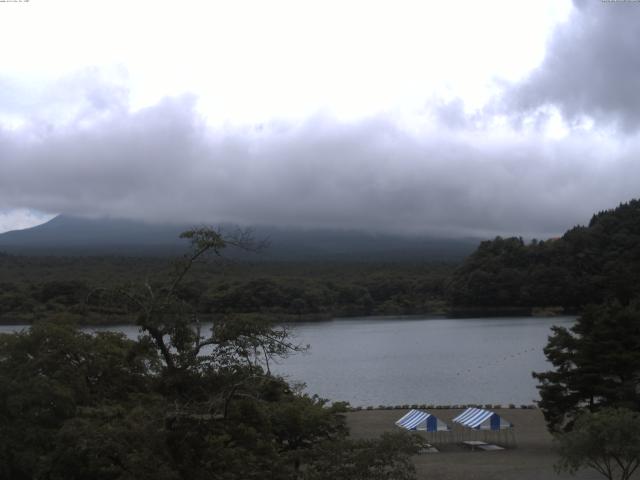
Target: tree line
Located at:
point(31, 287)
point(588, 264)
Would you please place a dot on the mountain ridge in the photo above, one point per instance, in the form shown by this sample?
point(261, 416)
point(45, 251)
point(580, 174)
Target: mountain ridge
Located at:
point(71, 236)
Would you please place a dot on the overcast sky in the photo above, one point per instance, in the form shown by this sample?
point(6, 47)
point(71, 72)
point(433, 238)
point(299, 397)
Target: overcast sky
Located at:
point(449, 118)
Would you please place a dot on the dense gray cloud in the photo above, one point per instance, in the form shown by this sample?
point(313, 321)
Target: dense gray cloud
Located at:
point(83, 151)
point(164, 164)
point(591, 68)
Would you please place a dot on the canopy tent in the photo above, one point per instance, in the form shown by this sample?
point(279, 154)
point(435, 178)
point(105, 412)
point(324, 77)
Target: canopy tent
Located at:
point(421, 420)
point(489, 423)
point(480, 419)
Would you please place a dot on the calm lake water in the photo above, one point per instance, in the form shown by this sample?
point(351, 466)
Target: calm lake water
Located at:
point(394, 361)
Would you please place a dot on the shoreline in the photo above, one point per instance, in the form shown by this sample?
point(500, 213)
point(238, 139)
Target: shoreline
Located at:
point(462, 406)
point(286, 319)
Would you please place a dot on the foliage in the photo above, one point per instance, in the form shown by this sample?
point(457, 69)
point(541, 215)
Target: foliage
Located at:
point(607, 441)
point(49, 375)
point(388, 458)
point(35, 287)
point(592, 264)
point(178, 403)
point(596, 364)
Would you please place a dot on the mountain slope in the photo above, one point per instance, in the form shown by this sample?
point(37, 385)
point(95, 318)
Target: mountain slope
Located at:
point(65, 235)
point(71, 232)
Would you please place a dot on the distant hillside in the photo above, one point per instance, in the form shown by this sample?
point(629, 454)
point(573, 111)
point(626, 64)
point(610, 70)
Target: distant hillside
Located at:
point(65, 235)
point(589, 264)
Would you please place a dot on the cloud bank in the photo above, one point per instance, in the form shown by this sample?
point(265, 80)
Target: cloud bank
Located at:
point(591, 69)
point(79, 149)
point(164, 164)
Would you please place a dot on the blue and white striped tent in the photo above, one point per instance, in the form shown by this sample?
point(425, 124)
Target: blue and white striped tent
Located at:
point(480, 419)
point(420, 420)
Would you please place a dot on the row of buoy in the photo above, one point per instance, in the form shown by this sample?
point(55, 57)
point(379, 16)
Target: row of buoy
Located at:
point(497, 362)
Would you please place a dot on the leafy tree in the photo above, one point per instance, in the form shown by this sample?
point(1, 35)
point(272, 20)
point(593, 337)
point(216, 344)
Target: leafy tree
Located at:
point(178, 403)
point(607, 441)
point(121, 441)
point(596, 364)
point(48, 375)
point(388, 458)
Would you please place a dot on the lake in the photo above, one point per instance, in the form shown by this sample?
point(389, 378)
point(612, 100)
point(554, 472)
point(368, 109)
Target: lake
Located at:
point(395, 361)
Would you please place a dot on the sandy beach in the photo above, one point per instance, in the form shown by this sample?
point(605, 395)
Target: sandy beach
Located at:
point(532, 458)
